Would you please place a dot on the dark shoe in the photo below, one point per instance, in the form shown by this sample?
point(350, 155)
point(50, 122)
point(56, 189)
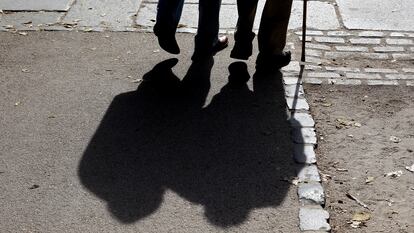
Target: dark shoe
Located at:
point(222, 43)
point(272, 62)
point(167, 40)
point(243, 48)
point(203, 54)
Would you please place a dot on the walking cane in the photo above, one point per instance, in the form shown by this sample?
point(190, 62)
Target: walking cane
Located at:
point(305, 11)
point(302, 58)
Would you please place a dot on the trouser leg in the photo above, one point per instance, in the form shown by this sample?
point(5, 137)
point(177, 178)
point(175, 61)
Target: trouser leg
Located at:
point(208, 25)
point(168, 15)
point(247, 11)
point(273, 26)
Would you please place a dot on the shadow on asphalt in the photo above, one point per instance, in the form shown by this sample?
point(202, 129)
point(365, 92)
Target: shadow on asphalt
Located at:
point(231, 156)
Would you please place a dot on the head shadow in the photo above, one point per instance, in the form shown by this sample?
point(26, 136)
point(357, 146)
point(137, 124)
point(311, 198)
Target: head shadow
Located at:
point(231, 156)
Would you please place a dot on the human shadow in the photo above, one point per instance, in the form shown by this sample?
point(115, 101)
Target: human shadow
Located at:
point(231, 156)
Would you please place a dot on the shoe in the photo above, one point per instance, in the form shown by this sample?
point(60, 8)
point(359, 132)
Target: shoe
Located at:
point(167, 40)
point(222, 43)
point(201, 54)
point(243, 48)
point(273, 62)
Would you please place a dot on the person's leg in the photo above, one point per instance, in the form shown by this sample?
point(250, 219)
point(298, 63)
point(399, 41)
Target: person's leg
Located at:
point(244, 34)
point(272, 35)
point(168, 16)
point(273, 26)
point(206, 40)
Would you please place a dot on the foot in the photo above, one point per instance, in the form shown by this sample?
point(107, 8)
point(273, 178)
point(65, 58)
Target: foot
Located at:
point(222, 43)
point(202, 54)
point(167, 40)
point(273, 62)
point(243, 48)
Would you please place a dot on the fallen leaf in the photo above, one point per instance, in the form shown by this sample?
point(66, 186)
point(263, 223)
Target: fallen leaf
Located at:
point(137, 80)
point(395, 139)
point(342, 169)
point(369, 179)
point(410, 168)
point(361, 216)
point(35, 186)
point(394, 174)
point(25, 70)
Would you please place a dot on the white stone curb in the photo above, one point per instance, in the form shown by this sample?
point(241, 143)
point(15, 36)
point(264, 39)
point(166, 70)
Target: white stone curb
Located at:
point(312, 216)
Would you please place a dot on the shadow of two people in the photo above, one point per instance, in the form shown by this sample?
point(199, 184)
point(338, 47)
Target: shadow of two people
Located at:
point(231, 156)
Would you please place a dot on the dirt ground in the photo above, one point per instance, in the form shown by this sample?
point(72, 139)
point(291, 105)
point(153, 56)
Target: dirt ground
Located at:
point(364, 133)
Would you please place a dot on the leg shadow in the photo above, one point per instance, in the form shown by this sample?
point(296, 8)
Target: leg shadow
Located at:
point(231, 157)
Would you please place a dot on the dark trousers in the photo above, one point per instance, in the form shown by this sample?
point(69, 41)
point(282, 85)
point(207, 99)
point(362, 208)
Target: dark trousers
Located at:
point(169, 14)
point(273, 25)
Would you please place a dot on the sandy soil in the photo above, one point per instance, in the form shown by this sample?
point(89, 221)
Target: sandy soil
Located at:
point(364, 133)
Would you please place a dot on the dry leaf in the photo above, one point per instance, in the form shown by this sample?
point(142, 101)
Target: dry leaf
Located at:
point(361, 216)
point(369, 179)
point(395, 139)
point(394, 174)
point(137, 80)
point(410, 168)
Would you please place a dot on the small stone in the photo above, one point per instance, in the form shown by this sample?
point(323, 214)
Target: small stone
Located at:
point(323, 75)
point(312, 192)
point(309, 174)
point(297, 103)
point(313, 219)
point(363, 76)
point(302, 120)
point(304, 153)
point(318, 46)
point(332, 40)
point(399, 76)
point(365, 41)
point(387, 49)
point(382, 82)
point(403, 57)
point(351, 48)
point(304, 135)
point(344, 81)
point(375, 70)
point(399, 41)
point(315, 81)
point(294, 90)
point(339, 33)
point(371, 34)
